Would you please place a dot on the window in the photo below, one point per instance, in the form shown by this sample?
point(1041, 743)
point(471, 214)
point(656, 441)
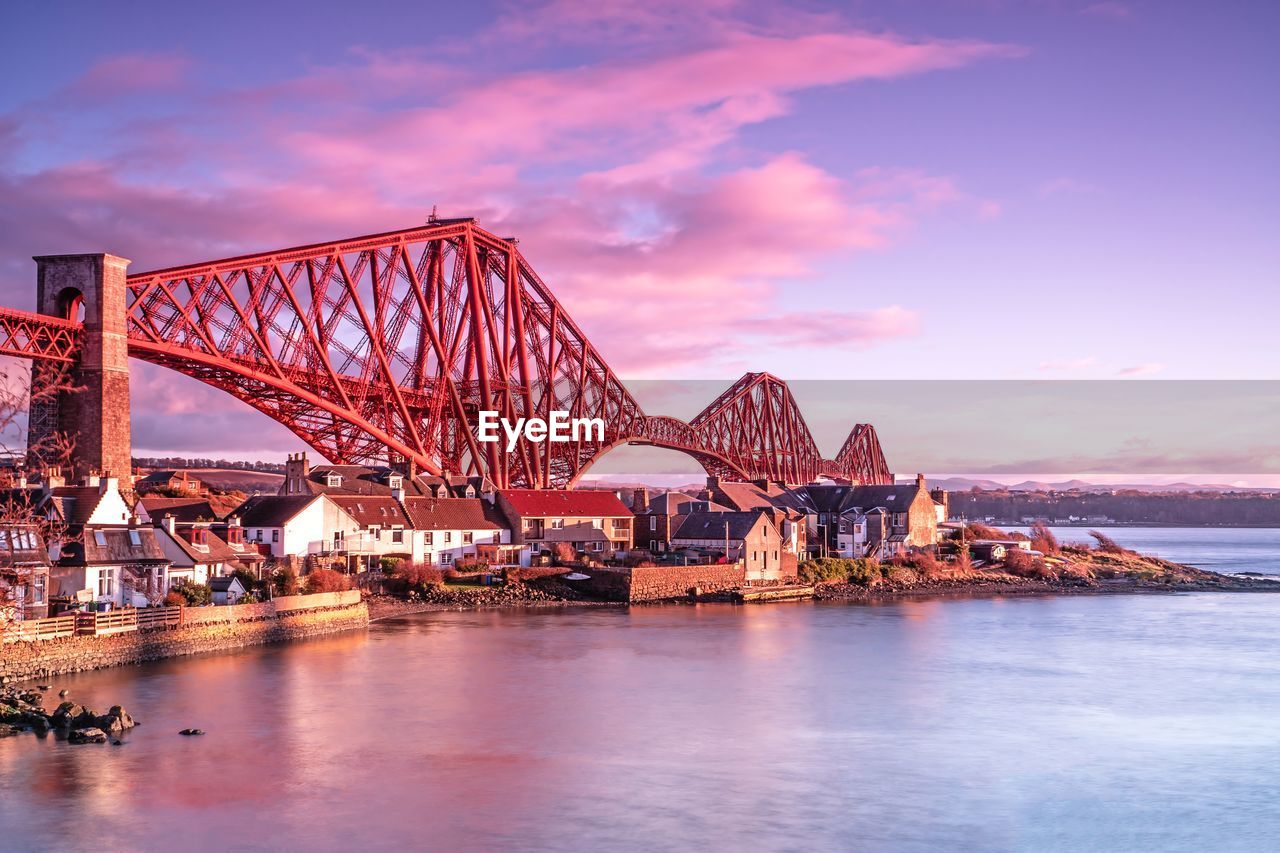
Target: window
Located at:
point(467, 537)
point(619, 525)
point(100, 538)
point(445, 558)
point(395, 481)
point(597, 523)
point(755, 555)
point(653, 522)
point(448, 536)
point(653, 544)
point(397, 536)
point(497, 536)
point(557, 524)
point(200, 536)
point(134, 538)
point(235, 535)
point(37, 588)
point(106, 583)
point(428, 538)
point(275, 535)
point(597, 545)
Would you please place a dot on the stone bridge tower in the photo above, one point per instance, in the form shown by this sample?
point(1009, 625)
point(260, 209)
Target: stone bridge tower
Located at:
point(95, 418)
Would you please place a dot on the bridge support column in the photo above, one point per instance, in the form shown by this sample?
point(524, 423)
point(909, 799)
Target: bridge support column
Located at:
point(94, 418)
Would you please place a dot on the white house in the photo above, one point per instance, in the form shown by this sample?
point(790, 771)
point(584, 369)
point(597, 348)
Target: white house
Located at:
point(453, 530)
point(227, 590)
point(297, 525)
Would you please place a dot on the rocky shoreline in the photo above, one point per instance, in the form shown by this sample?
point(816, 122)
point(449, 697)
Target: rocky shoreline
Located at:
point(23, 710)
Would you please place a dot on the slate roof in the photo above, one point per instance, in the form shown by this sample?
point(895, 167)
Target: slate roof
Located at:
point(454, 514)
point(101, 545)
point(182, 509)
point(224, 582)
point(372, 510)
point(76, 504)
point(711, 525)
point(271, 510)
point(841, 499)
point(578, 503)
point(215, 551)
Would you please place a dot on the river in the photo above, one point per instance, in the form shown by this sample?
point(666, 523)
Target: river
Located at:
point(1219, 549)
point(1034, 723)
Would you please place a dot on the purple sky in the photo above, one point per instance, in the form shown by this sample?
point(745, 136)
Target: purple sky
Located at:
point(950, 189)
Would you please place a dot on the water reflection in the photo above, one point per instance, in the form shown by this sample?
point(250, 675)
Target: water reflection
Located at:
point(983, 724)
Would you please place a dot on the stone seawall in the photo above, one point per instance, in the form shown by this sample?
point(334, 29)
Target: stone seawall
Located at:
point(28, 660)
point(656, 583)
point(660, 583)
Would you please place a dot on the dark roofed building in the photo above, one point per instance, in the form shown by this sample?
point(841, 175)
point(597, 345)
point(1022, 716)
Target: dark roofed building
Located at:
point(175, 483)
point(857, 521)
point(24, 573)
point(184, 510)
point(116, 565)
point(750, 537)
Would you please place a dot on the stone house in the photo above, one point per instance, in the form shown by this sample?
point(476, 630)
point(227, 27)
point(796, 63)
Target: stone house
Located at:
point(447, 531)
point(659, 517)
point(594, 522)
point(748, 537)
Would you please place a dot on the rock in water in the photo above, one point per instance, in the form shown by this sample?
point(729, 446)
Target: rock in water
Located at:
point(116, 720)
point(8, 731)
point(191, 732)
point(89, 735)
point(63, 693)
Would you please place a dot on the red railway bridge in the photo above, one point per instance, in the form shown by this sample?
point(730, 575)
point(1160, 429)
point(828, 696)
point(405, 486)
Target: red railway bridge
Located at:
point(384, 348)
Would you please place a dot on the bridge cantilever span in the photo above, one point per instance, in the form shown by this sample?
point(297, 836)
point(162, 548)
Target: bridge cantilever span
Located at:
point(38, 336)
point(390, 344)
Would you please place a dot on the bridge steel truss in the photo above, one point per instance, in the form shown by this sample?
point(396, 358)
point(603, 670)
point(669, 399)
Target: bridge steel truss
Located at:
point(387, 346)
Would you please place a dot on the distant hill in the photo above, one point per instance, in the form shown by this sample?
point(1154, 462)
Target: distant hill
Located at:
point(964, 484)
point(236, 479)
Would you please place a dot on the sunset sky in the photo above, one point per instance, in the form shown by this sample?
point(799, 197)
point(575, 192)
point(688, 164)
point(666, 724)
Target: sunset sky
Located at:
point(931, 190)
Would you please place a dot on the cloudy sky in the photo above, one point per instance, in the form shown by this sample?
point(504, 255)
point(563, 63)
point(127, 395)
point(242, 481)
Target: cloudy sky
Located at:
point(985, 189)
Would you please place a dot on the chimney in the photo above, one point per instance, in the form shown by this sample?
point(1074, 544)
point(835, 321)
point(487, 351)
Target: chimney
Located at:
point(22, 481)
point(53, 478)
point(106, 484)
point(398, 494)
point(296, 471)
point(762, 483)
point(170, 524)
point(713, 482)
point(941, 497)
point(92, 479)
point(639, 500)
point(920, 481)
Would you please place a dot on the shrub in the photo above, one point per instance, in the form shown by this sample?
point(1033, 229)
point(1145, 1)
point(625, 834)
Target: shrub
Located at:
point(284, 581)
point(473, 565)
point(174, 599)
point(1020, 563)
point(977, 530)
point(194, 594)
point(1043, 540)
point(415, 578)
point(1106, 544)
point(963, 562)
point(825, 570)
point(327, 580)
point(562, 553)
point(247, 580)
point(390, 565)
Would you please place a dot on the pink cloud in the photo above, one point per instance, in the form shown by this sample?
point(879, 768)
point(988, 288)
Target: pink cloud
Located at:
point(627, 181)
point(128, 73)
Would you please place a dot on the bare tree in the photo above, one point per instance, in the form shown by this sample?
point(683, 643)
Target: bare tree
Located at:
point(21, 400)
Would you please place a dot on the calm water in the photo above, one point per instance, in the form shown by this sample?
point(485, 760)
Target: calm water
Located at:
point(1075, 723)
point(1218, 549)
